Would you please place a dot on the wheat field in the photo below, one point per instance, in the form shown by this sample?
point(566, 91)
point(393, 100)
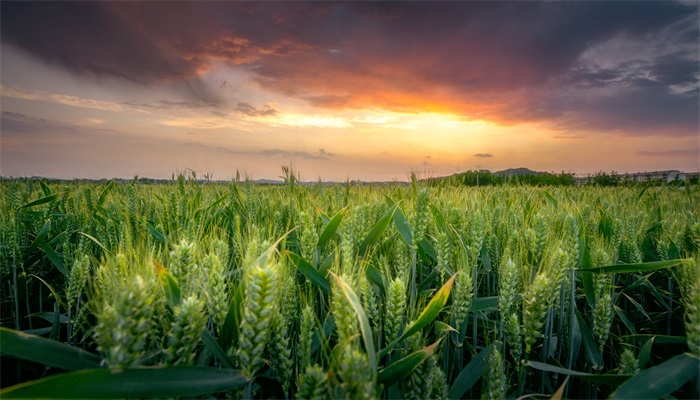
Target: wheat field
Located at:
point(236, 290)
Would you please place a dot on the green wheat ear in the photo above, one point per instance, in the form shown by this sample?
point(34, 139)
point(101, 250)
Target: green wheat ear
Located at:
point(217, 298)
point(602, 318)
point(369, 300)
point(189, 320)
point(417, 385)
point(444, 253)
point(124, 325)
point(395, 310)
point(535, 305)
point(306, 332)
point(462, 297)
point(345, 320)
point(438, 381)
point(495, 382)
point(257, 312)
point(688, 277)
point(356, 375)
point(312, 384)
point(78, 277)
point(280, 352)
point(628, 363)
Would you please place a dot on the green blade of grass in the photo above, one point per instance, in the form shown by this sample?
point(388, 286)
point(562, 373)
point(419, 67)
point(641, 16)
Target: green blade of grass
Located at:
point(45, 351)
point(309, 272)
point(209, 341)
point(173, 295)
point(590, 345)
point(471, 373)
point(375, 276)
point(609, 379)
point(401, 223)
point(661, 380)
point(330, 228)
point(55, 257)
point(440, 220)
point(326, 265)
point(262, 259)
point(39, 237)
point(322, 333)
point(97, 242)
point(428, 281)
point(403, 227)
point(639, 267)
point(625, 321)
point(103, 196)
point(229, 331)
point(41, 201)
point(658, 339)
point(645, 353)
point(45, 188)
point(130, 383)
point(365, 327)
point(156, 233)
point(430, 312)
point(378, 229)
point(51, 288)
point(551, 198)
point(403, 367)
point(428, 249)
point(486, 303)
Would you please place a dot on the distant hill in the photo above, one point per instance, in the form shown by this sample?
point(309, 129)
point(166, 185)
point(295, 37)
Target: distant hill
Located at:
point(268, 182)
point(520, 175)
point(517, 172)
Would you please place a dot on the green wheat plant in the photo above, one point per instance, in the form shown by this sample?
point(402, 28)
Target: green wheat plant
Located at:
point(430, 289)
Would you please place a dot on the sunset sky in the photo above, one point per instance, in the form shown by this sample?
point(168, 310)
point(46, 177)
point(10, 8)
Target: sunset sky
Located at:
point(369, 91)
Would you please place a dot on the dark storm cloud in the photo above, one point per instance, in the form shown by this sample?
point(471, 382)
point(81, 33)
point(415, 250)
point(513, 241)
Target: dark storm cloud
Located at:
point(90, 37)
point(506, 62)
point(651, 110)
point(675, 69)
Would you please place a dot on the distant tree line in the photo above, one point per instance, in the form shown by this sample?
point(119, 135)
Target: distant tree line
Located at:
point(600, 178)
point(487, 178)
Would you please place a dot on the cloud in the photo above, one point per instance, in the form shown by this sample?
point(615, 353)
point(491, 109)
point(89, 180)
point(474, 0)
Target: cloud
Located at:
point(675, 69)
point(320, 154)
point(671, 153)
point(168, 105)
point(296, 154)
point(13, 122)
point(19, 129)
point(263, 111)
point(506, 62)
point(482, 155)
point(566, 137)
point(73, 101)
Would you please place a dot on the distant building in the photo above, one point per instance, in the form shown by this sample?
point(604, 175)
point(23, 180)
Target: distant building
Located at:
point(653, 176)
point(663, 176)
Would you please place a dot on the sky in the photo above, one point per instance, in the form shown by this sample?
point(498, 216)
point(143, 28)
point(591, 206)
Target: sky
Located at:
point(347, 90)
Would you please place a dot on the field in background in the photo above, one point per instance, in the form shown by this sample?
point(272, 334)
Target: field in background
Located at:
point(239, 290)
